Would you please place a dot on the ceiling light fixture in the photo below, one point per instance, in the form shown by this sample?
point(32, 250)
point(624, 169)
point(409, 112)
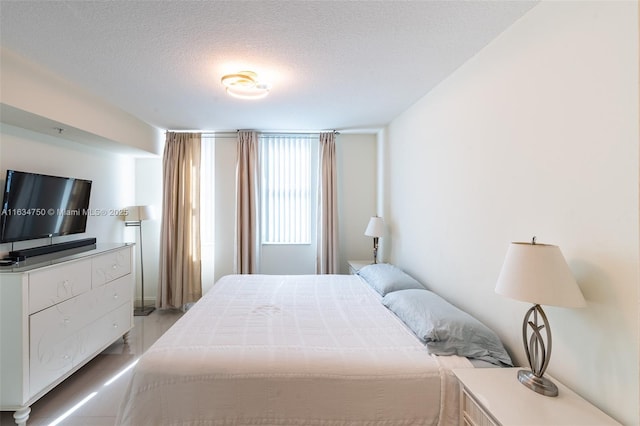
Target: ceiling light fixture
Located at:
point(245, 85)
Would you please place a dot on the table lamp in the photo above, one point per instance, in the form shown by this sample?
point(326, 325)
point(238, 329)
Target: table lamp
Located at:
point(539, 274)
point(375, 229)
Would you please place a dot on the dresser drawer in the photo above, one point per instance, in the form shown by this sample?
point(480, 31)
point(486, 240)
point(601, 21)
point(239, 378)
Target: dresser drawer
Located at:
point(61, 339)
point(60, 321)
point(110, 326)
point(52, 360)
point(107, 267)
point(472, 413)
point(114, 294)
point(54, 285)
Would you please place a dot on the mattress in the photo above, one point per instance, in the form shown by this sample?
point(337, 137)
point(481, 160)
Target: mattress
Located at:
point(291, 350)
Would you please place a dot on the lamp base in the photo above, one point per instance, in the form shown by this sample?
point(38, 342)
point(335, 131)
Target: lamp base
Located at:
point(143, 311)
point(541, 385)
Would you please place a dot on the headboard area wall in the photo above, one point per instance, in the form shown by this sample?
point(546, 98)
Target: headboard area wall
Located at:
point(535, 135)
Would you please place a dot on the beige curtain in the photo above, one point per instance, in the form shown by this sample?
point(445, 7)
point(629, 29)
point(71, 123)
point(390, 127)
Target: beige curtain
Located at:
point(180, 264)
point(327, 228)
point(247, 193)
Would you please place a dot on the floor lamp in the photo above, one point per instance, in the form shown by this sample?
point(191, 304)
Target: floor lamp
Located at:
point(135, 216)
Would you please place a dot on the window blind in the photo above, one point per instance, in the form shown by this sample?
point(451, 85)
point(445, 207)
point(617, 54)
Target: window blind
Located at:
point(285, 189)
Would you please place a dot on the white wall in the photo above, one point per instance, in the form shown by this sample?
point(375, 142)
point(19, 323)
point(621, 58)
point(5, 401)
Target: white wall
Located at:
point(536, 135)
point(92, 146)
point(28, 87)
point(357, 195)
point(111, 174)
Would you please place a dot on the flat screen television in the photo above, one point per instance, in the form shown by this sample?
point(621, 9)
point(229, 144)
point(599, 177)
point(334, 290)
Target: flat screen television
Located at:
point(41, 206)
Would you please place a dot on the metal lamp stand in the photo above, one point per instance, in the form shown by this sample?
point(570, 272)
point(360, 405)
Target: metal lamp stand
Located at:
point(141, 310)
point(375, 250)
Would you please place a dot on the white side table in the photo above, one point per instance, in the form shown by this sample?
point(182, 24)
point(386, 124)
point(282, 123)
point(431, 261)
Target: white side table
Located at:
point(356, 265)
point(494, 396)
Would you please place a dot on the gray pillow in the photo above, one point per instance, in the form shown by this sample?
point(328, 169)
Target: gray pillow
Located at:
point(385, 278)
point(445, 329)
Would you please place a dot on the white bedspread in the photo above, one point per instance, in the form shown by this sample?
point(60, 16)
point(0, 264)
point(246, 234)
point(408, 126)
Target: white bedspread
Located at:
point(291, 350)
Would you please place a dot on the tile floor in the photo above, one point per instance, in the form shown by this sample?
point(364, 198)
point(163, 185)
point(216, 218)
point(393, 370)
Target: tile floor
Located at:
point(91, 382)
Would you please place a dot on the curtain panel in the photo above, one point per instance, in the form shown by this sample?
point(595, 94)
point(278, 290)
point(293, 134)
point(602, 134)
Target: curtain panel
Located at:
point(247, 236)
point(180, 262)
point(327, 227)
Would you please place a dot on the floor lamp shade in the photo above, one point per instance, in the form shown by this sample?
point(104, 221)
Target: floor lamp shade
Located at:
point(539, 274)
point(139, 213)
point(134, 217)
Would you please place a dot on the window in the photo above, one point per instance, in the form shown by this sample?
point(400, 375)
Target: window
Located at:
point(285, 164)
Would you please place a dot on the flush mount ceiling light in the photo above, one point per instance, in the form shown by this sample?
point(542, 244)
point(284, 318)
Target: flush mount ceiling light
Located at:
point(245, 85)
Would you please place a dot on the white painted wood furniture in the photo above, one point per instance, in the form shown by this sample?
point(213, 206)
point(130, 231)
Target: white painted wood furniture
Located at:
point(56, 314)
point(493, 396)
point(355, 265)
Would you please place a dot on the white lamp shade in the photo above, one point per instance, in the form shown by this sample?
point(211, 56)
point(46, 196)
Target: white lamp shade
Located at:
point(140, 213)
point(539, 274)
point(375, 228)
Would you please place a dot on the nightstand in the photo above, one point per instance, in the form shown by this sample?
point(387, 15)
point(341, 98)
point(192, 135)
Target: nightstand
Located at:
point(355, 265)
point(494, 396)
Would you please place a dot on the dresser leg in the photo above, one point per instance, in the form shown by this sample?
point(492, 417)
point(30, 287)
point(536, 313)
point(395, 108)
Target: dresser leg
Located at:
point(125, 338)
point(22, 415)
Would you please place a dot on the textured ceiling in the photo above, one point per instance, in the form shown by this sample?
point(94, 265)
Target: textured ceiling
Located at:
point(332, 64)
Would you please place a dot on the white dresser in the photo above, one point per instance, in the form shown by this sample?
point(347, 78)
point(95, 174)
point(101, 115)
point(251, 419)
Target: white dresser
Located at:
point(56, 314)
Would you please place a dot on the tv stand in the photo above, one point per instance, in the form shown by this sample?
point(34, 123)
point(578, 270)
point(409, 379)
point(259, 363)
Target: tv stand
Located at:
point(51, 248)
point(55, 316)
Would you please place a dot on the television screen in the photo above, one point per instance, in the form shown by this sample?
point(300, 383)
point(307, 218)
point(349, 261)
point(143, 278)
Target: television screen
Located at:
point(40, 206)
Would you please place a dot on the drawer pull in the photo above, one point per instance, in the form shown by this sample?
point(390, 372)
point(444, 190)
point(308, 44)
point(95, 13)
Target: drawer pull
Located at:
point(66, 320)
point(66, 357)
point(115, 325)
point(114, 266)
point(115, 295)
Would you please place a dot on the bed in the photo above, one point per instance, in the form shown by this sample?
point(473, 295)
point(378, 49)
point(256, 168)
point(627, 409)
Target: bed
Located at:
point(291, 350)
